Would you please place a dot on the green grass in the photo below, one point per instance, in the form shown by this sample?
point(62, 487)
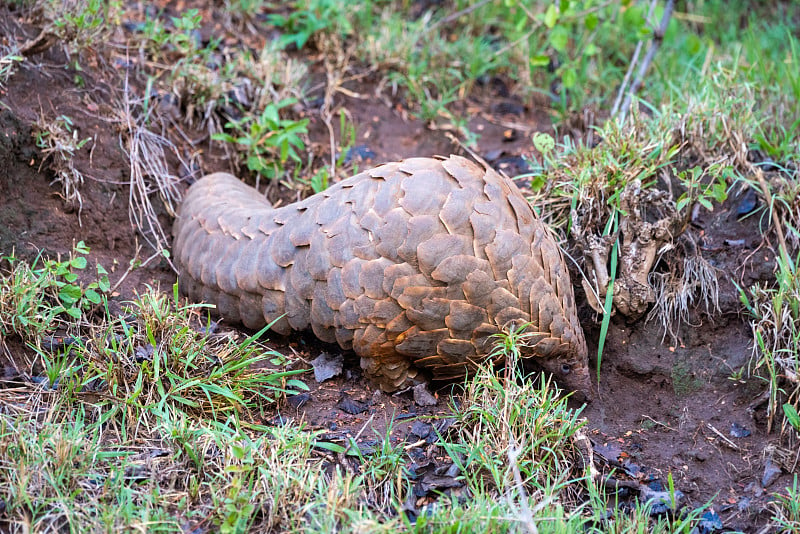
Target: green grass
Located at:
point(149, 422)
point(775, 313)
point(787, 508)
point(8, 63)
point(39, 297)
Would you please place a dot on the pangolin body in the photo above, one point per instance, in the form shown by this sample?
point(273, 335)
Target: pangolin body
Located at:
point(414, 265)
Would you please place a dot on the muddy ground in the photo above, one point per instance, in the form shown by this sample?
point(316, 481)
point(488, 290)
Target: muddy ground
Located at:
point(664, 407)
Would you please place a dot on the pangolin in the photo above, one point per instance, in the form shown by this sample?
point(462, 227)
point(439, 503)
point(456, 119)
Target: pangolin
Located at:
point(415, 265)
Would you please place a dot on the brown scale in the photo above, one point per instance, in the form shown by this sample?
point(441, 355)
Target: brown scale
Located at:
point(415, 265)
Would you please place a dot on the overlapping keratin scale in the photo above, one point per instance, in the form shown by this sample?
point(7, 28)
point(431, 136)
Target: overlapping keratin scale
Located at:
point(415, 265)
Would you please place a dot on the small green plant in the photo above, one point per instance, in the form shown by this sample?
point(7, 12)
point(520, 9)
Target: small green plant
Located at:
point(74, 298)
point(8, 63)
point(84, 23)
point(184, 25)
point(267, 140)
point(33, 298)
point(347, 136)
point(298, 26)
point(319, 181)
point(775, 323)
point(178, 39)
point(703, 194)
point(792, 417)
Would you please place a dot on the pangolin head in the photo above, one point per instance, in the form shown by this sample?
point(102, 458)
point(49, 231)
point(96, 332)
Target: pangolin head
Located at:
point(565, 359)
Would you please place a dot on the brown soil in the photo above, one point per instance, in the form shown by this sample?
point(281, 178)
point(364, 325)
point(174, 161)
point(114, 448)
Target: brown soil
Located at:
point(660, 406)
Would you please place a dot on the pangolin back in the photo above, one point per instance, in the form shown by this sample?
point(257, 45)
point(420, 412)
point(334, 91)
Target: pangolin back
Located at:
point(413, 265)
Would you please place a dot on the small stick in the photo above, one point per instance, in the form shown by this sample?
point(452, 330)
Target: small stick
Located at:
point(659, 423)
point(728, 442)
point(624, 86)
point(39, 44)
point(414, 445)
point(658, 38)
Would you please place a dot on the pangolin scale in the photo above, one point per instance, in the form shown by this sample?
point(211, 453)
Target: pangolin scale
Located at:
point(415, 265)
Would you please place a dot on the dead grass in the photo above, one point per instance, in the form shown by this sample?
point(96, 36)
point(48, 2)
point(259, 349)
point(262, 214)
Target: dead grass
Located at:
point(59, 140)
point(150, 172)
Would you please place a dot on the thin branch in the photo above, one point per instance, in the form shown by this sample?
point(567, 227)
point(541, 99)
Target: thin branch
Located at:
point(655, 44)
point(624, 87)
point(39, 44)
point(453, 16)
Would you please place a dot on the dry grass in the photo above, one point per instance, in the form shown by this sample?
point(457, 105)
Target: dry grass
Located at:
point(59, 141)
point(150, 172)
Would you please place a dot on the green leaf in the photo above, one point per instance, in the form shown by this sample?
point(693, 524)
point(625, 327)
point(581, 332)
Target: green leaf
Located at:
point(559, 38)
point(92, 296)
point(634, 17)
point(297, 384)
point(569, 78)
point(254, 163)
point(541, 60)
point(538, 182)
point(104, 284)
point(693, 44)
point(73, 312)
point(227, 138)
point(333, 447)
point(70, 294)
point(551, 16)
point(591, 21)
point(792, 416)
point(238, 451)
point(543, 142)
point(271, 113)
point(78, 263)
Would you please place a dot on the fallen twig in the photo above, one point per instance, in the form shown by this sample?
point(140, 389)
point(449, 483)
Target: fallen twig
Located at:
point(655, 43)
point(39, 44)
point(725, 440)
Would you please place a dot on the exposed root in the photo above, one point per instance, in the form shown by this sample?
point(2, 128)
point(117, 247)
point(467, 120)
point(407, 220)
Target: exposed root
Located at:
point(641, 242)
point(688, 284)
